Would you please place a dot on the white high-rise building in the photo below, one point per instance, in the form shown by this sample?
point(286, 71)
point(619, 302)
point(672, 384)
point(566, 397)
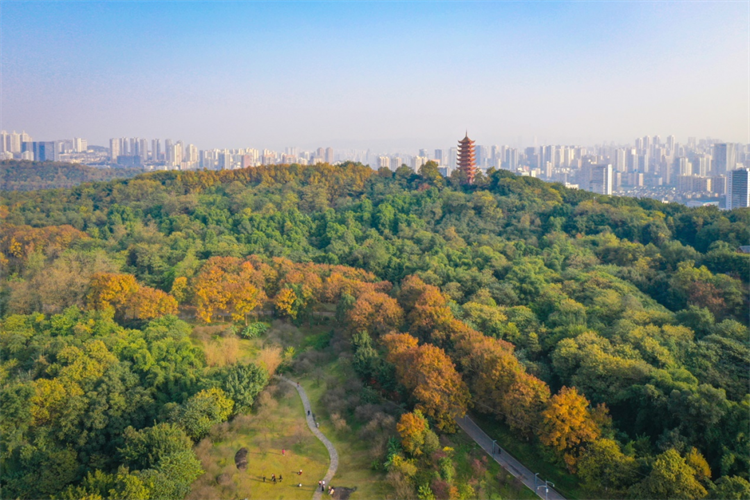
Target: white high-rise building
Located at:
point(418, 161)
point(143, 149)
point(384, 162)
point(114, 149)
point(738, 189)
point(192, 153)
point(79, 145)
point(15, 142)
point(178, 154)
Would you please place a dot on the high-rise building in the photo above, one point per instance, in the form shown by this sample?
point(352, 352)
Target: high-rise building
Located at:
point(725, 158)
point(439, 156)
point(179, 154)
point(511, 159)
point(423, 152)
point(79, 145)
point(114, 149)
point(15, 142)
point(4, 142)
point(143, 149)
point(156, 149)
point(738, 190)
point(418, 161)
point(168, 152)
point(466, 161)
point(384, 162)
point(601, 179)
point(41, 151)
point(207, 160)
point(671, 143)
point(329, 156)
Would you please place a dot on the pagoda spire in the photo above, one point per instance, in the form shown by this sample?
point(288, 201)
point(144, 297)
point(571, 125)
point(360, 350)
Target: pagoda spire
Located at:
point(466, 160)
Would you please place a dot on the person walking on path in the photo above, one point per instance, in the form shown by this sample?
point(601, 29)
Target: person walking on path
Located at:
point(320, 483)
point(333, 454)
point(322, 486)
point(280, 477)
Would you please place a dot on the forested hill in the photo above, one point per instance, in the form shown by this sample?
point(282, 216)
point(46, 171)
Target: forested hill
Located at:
point(29, 175)
point(641, 306)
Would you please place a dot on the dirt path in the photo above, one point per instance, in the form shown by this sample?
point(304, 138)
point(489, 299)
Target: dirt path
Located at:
point(311, 424)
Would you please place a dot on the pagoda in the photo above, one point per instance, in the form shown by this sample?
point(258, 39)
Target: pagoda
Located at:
point(467, 164)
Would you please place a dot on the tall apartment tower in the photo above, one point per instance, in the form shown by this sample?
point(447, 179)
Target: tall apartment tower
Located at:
point(329, 156)
point(601, 179)
point(738, 192)
point(466, 162)
point(114, 149)
point(725, 158)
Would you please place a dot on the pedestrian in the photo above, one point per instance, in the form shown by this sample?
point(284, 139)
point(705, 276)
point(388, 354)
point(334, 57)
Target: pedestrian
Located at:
point(273, 477)
point(308, 413)
point(283, 452)
point(322, 486)
point(299, 485)
point(274, 480)
point(297, 384)
point(264, 479)
point(331, 492)
point(280, 477)
point(300, 472)
point(317, 425)
point(319, 484)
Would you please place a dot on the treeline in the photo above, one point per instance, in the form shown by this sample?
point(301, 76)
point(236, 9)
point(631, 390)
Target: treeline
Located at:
point(24, 175)
point(541, 298)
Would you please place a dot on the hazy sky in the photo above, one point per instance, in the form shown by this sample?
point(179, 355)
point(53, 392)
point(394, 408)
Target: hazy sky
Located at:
point(380, 75)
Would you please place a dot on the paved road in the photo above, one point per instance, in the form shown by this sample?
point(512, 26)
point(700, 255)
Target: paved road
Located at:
point(311, 424)
point(506, 461)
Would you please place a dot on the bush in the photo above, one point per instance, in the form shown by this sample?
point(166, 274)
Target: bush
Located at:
point(254, 330)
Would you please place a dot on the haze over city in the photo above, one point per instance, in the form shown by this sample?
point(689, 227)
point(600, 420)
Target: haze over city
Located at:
point(384, 76)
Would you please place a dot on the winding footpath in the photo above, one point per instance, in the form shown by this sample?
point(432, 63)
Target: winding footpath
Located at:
point(318, 495)
point(506, 460)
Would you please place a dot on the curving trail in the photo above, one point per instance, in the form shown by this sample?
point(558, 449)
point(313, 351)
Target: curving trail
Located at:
point(311, 424)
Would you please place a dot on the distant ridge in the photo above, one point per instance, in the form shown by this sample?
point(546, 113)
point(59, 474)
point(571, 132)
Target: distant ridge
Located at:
point(29, 175)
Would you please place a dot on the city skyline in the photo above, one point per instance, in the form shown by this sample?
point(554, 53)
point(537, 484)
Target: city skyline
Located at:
point(698, 172)
point(385, 76)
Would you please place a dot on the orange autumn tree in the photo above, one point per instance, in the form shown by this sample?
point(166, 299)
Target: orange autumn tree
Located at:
point(150, 303)
point(498, 381)
point(412, 427)
point(111, 290)
point(129, 299)
point(524, 403)
point(227, 285)
point(376, 313)
point(568, 425)
point(432, 378)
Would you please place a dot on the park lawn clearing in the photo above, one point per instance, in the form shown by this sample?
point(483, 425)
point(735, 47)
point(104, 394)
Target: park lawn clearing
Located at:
point(355, 462)
point(278, 423)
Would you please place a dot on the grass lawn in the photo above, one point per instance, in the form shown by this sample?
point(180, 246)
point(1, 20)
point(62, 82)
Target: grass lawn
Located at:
point(355, 459)
point(278, 424)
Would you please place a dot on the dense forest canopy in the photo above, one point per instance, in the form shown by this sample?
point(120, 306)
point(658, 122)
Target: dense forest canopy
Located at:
point(26, 175)
point(612, 330)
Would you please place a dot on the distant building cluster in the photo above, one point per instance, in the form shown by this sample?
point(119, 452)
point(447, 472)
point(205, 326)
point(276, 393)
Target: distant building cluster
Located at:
point(171, 155)
point(705, 171)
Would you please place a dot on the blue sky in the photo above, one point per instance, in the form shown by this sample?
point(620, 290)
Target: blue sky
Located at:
point(380, 75)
